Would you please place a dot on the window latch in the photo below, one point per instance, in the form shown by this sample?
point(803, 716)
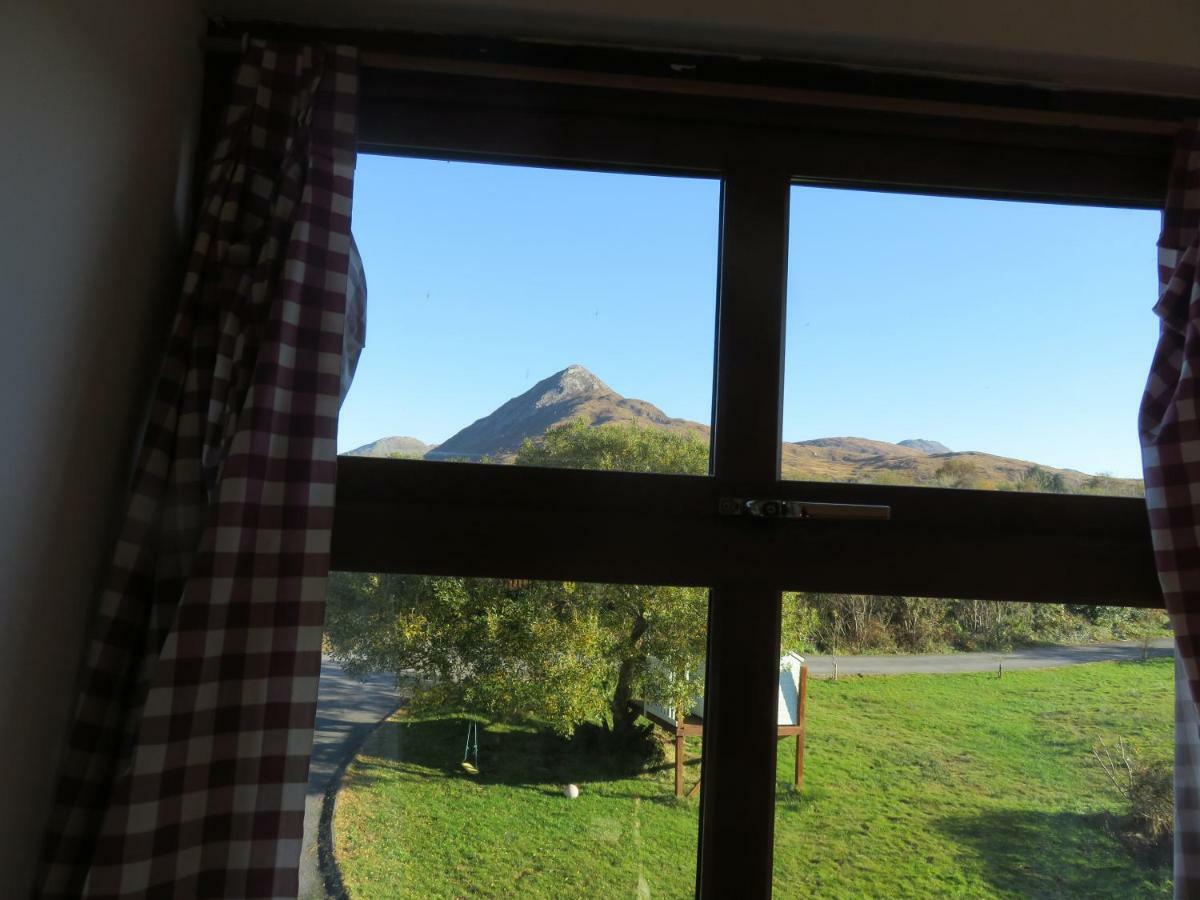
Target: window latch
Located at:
point(800, 509)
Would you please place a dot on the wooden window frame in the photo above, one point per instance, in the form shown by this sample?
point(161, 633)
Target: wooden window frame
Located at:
point(759, 132)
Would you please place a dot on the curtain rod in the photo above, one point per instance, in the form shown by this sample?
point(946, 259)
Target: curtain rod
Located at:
point(387, 61)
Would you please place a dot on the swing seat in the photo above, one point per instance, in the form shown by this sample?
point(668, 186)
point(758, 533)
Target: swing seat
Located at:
point(471, 768)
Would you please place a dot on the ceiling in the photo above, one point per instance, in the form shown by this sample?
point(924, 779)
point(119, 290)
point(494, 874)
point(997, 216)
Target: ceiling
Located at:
point(1130, 45)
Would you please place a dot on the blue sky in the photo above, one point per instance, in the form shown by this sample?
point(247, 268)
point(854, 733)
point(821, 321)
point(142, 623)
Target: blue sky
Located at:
point(1014, 328)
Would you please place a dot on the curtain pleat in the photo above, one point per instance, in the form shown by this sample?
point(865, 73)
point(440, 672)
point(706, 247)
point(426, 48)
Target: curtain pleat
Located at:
point(186, 765)
point(1170, 435)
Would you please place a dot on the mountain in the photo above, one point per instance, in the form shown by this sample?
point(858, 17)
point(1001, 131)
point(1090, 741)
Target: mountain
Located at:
point(931, 447)
point(573, 393)
point(576, 393)
point(408, 447)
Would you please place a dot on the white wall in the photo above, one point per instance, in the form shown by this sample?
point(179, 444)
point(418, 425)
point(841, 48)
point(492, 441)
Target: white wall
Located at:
point(1137, 45)
point(98, 114)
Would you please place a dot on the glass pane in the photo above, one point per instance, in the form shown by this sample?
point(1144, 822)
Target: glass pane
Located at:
point(967, 343)
point(977, 749)
point(536, 749)
point(508, 302)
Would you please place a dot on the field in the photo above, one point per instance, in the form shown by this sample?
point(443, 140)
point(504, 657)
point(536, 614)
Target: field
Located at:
point(916, 786)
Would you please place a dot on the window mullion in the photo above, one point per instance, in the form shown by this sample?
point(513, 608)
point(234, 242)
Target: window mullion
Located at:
point(737, 806)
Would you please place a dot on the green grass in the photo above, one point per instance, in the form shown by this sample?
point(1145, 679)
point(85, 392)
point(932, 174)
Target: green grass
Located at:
point(916, 786)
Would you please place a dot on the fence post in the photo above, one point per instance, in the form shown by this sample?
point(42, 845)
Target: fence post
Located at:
point(678, 764)
point(801, 721)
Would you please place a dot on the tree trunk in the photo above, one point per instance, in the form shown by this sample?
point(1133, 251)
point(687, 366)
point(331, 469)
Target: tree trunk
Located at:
point(623, 713)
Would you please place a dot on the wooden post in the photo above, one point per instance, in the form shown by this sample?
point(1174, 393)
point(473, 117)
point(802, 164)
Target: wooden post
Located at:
point(678, 764)
point(801, 718)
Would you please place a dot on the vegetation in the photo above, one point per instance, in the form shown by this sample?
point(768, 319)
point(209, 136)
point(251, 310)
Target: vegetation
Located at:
point(616, 448)
point(979, 472)
point(917, 786)
point(1148, 789)
point(564, 654)
point(858, 623)
point(558, 653)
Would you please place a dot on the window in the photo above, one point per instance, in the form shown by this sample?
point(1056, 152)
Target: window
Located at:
point(516, 299)
point(524, 523)
point(926, 337)
point(977, 773)
point(529, 698)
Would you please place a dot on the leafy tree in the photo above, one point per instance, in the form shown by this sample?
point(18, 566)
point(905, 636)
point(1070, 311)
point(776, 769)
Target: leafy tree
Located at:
point(616, 447)
point(558, 653)
point(800, 625)
point(473, 644)
point(958, 473)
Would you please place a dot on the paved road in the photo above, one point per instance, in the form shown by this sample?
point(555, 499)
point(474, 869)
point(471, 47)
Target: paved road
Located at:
point(1037, 658)
point(347, 709)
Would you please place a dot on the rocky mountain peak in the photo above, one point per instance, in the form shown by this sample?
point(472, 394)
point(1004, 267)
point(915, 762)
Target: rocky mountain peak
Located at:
point(572, 383)
point(932, 448)
point(573, 393)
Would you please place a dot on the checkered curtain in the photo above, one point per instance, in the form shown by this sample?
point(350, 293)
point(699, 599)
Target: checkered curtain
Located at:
point(1170, 432)
point(185, 769)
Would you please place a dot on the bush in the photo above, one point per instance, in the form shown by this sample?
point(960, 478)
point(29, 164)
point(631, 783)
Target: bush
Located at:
point(868, 623)
point(958, 473)
point(1152, 802)
point(1147, 787)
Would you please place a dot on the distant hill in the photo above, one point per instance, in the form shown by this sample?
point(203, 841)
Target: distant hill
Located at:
point(408, 447)
point(575, 393)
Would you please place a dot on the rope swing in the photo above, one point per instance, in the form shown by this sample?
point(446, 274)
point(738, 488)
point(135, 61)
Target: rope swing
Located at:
point(471, 750)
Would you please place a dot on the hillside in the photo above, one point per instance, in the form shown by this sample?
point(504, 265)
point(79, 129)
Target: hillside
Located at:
point(925, 446)
point(407, 447)
point(575, 393)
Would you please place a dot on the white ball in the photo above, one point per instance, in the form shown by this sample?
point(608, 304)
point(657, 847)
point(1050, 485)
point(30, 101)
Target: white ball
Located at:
point(571, 791)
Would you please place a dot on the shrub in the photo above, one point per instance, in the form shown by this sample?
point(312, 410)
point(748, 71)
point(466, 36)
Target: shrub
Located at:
point(1152, 801)
point(1147, 787)
point(920, 624)
point(958, 473)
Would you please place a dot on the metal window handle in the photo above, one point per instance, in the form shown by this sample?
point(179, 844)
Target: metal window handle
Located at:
point(800, 509)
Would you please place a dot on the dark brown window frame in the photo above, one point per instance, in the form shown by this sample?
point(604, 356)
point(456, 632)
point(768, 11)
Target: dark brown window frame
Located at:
point(947, 543)
point(522, 104)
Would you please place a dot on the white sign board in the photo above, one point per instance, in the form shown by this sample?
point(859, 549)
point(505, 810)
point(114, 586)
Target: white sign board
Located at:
point(789, 694)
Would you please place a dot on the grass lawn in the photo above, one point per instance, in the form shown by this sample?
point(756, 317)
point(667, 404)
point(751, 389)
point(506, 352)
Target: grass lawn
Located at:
point(916, 786)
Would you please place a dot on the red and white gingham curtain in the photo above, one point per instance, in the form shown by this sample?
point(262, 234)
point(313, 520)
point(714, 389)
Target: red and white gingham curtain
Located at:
point(1170, 433)
point(185, 769)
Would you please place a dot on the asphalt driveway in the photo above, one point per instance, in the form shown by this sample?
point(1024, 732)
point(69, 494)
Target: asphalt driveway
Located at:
point(347, 710)
point(947, 663)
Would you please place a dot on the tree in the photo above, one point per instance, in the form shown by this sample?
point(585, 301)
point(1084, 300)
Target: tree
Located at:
point(958, 473)
point(558, 653)
point(616, 447)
